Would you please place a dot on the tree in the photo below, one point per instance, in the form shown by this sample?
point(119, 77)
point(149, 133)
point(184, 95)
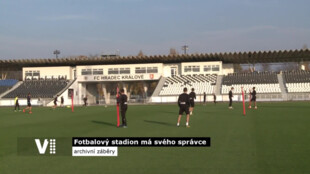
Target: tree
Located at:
point(265, 67)
point(173, 52)
point(304, 47)
point(140, 54)
point(237, 68)
point(92, 56)
point(289, 66)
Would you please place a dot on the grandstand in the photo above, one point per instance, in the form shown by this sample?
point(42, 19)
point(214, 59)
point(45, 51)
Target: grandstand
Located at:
point(297, 81)
point(201, 83)
point(264, 82)
point(7, 84)
point(153, 78)
point(38, 88)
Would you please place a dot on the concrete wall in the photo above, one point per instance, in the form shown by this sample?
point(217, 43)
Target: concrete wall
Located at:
point(201, 65)
point(227, 68)
point(50, 72)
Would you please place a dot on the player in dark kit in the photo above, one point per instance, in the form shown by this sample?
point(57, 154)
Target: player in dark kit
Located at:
point(192, 97)
point(55, 102)
point(61, 101)
point(123, 103)
point(28, 104)
point(85, 100)
point(214, 98)
point(184, 103)
point(230, 95)
point(253, 98)
point(204, 98)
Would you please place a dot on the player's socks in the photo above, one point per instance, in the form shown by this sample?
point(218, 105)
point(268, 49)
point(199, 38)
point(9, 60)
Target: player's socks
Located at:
point(187, 125)
point(255, 107)
point(23, 110)
point(178, 124)
point(250, 107)
point(191, 113)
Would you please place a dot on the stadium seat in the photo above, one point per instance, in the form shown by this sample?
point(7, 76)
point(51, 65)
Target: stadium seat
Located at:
point(297, 81)
point(7, 84)
point(38, 88)
point(202, 83)
point(264, 82)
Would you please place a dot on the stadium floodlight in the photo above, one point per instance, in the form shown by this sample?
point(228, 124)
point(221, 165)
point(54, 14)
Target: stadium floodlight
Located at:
point(56, 52)
point(185, 48)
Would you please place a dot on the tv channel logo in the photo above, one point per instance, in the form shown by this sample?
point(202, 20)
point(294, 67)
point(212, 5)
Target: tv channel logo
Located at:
point(42, 146)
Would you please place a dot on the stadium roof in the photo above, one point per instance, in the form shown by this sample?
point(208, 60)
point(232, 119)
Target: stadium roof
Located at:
point(240, 58)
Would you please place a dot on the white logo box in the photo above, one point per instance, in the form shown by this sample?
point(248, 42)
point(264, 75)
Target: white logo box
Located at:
point(94, 151)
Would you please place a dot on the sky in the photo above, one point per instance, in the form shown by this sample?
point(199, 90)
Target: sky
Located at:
point(35, 28)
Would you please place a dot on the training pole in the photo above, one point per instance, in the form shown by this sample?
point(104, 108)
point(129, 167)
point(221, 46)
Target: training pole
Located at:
point(72, 105)
point(243, 101)
point(117, 106)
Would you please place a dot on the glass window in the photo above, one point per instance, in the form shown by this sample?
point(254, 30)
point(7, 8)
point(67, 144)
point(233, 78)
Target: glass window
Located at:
point(113, 71)
point(187, 69)
point(207, 68)
point(36, 73)
point(97, 71)
point(152, 70)
point(196, 69)
point(124, 71)
point(215, 67)
point(86, 72)
point(28, 73)
point(140, 70)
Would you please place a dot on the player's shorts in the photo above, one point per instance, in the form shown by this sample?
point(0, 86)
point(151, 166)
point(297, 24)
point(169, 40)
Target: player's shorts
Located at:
point(184, 108)
point(124, 108)
point(29, 104)
point(192, 103)
point(253, 99)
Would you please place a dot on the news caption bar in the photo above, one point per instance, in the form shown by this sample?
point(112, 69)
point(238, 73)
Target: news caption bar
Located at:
point(108, 146)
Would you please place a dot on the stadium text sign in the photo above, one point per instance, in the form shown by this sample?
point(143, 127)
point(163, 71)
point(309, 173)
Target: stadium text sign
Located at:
point(120, 77)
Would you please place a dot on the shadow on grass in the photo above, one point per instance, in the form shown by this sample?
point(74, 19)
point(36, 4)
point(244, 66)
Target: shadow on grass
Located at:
point(158, 122)
point(104, 123)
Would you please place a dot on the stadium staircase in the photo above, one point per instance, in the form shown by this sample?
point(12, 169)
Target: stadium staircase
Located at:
point(68, 85)
point(47, 101)
point(218, 87)
point(12, 89)
point(159, 86)
point(282, 86)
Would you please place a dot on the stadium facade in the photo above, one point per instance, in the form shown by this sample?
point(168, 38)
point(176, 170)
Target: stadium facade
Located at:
point(152, 79)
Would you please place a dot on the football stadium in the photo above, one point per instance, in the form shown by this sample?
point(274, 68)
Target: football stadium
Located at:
point(154, 87)
point(271, 138)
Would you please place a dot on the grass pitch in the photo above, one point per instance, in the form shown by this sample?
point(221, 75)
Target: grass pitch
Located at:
point(273, 139)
